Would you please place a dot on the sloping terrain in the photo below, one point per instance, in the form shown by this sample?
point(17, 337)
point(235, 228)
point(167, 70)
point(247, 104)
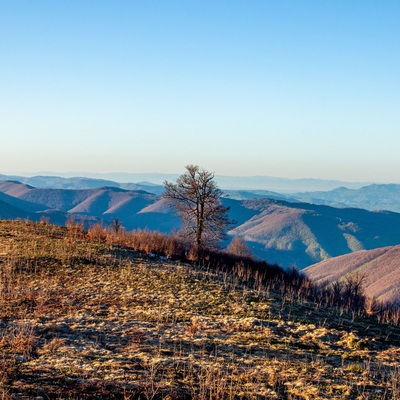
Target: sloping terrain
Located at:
point(8, 211)
point(15, 188)
point(114, 202)
point(379, 267)
point(56, 199)
point(101, 203)
point(157, 216)
point(290, 234)
point(86, 320)
point(302, 234)
point(26, 206)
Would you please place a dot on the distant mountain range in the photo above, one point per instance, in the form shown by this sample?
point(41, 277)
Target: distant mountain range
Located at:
point(332, 193)
point(79, 183)
point(282, 232)
point(371, 197)
point(122, 180)
point(87, 205)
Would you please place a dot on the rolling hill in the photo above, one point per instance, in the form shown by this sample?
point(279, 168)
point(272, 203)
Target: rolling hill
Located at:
point(103, 203)
point(255, 194)
point(282, 232)
point(301, 234)
point(379, 267)
point(332, 193)
point(23, 205)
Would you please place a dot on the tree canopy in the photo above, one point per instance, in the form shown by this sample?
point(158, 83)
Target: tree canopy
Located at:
point(197, 200)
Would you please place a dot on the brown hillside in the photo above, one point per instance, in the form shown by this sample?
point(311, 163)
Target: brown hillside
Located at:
point(160, 206)
point(282, 231)
point(381, 268)
point(86, 320)
point(113, 201)
point(15, 189)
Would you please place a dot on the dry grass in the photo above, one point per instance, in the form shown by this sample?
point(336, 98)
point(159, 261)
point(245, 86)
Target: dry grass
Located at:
point(86, 320)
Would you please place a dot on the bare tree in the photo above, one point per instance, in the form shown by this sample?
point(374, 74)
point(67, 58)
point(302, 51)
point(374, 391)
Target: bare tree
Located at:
point(115, 225)
point(238, 247)
point(197, 200)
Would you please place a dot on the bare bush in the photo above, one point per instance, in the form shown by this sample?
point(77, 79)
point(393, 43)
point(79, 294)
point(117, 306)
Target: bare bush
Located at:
point(97, 233)
point(347, 294)
point(238, 247)
point(75, 229)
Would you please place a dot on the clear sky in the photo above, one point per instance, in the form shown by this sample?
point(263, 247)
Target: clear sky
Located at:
point(281, 88)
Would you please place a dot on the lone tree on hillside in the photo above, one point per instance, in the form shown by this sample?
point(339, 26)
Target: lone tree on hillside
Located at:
point(197, 199)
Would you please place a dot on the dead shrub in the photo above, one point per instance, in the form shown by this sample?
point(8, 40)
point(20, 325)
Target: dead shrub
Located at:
point(19, 339)
point(44, 221)
point(75, 229)
point(154, 242)
point(97, 233)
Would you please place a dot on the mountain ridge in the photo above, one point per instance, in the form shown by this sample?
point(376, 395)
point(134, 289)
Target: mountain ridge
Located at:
point(123, 180)
point(370, 197)
point(286, 233)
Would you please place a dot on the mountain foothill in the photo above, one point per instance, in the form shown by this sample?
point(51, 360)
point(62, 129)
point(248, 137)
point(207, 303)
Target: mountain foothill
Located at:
point(327, 236)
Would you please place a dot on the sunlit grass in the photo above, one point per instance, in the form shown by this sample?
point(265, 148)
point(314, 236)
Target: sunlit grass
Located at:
point(83, 319)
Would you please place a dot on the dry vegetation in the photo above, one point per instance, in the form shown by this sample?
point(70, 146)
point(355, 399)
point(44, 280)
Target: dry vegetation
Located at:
point(379, 266)
point(85, 319)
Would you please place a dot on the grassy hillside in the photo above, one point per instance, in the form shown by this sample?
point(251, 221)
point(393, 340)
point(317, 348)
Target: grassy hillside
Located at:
point(379, 267)
point(83, 319)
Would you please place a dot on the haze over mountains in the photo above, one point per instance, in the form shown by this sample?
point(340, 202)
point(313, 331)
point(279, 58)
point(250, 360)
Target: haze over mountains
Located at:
point(316, 191)
point(276, 226)
point(58, 182)
point(370, 197)
point(122, 180)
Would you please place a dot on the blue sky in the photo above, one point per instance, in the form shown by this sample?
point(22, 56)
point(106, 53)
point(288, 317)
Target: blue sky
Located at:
point(281, 88)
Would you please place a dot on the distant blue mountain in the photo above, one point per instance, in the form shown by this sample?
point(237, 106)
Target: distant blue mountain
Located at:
point(370, 197)
point(154, 182)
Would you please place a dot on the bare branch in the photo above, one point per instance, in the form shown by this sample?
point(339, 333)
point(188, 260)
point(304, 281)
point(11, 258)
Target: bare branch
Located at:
point(197, 199)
